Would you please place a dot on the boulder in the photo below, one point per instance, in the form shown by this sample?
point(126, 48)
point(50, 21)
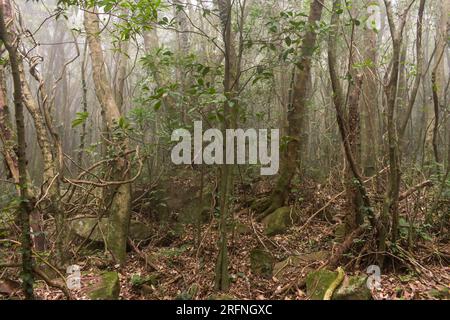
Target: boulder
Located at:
point(108, 288)
point(278, 222)
point(351, 288)
point(317, 283)
point(82, 227)
point(261, 262)
point(138, 281)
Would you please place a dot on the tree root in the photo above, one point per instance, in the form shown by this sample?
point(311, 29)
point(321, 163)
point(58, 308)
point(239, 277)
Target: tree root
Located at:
point(334, 284)
point(344, 247)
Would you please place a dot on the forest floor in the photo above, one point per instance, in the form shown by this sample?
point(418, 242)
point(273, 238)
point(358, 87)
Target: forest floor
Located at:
point(178, 270)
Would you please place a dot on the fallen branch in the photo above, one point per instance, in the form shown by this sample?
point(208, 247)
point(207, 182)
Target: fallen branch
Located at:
point(413, 190)
point(52, 283)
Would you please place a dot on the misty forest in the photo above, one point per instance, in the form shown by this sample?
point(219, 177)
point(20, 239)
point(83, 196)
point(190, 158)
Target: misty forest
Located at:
point(93, 205)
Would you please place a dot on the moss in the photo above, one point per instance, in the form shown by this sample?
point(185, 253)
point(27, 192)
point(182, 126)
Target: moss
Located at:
point(441, 294)
point(137, 280)
point(353, 288)
point(278, 222)
point(109, 288)
point(317, 283)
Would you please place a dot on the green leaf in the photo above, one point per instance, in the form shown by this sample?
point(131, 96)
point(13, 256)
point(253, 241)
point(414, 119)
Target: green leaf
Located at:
point(80, 119)
point(288, 41)
point(157, 105)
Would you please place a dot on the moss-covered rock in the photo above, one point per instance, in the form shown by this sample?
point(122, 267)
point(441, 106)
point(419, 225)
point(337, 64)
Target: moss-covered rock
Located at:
point(138, 280)
point(278, 222)
point(108, 288)
point(95, 230)
point(317, 283)
point(261, 262)
point(188, 294)
point(353, 288)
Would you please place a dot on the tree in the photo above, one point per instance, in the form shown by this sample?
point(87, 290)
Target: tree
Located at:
point(296, 112)
point(25, 205)
point(120, 204)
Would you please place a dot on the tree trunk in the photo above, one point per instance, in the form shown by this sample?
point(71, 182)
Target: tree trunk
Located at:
point(296, 131)
point(25, 207)
point(119, 219)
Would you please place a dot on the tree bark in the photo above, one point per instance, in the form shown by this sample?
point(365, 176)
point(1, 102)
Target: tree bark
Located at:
point(119, 219)
point(290, 161)
point(25, 207)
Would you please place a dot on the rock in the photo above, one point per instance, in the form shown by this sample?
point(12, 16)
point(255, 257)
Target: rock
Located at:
point(317, 283)
point(353, 288)
point(278, 222)
point(137, 280)
point(188, 294)
point(82, 227)
point(293, 263)
point(108, 289)
point(261, 262)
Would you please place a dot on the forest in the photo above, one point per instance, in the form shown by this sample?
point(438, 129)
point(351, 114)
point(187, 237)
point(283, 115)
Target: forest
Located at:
point(224, 150)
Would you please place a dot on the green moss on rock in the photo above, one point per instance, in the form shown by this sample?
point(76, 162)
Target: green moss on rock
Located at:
point(353, 288)
point(317, 283)
point(108, 289)
point(278, 222)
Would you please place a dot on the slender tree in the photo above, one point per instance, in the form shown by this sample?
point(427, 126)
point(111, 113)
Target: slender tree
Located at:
point(25, 207)
point(120, 205)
